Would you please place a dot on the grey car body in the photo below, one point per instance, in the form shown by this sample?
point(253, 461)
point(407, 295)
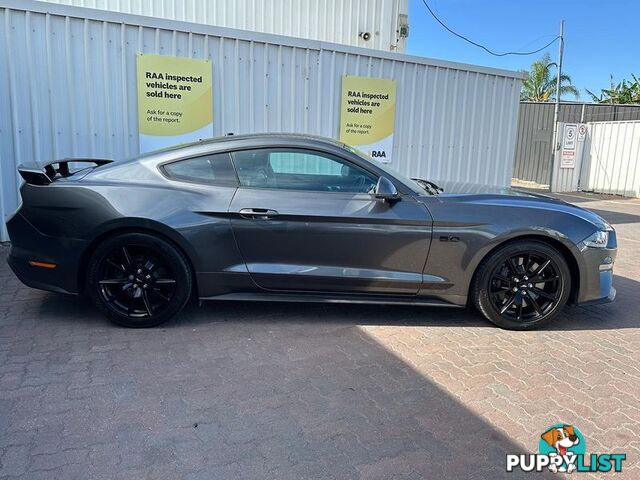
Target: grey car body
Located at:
point(269, 243)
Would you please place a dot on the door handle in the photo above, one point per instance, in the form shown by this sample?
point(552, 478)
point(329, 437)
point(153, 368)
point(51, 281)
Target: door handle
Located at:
point(263, 213)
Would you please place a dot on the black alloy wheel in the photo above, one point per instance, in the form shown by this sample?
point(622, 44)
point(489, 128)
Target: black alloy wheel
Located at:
point(525, 286)
point(139, 280)
point(522, 285)
point(135, 282)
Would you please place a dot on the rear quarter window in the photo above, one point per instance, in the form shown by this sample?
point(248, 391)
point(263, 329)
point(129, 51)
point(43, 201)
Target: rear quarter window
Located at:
point(209, 169)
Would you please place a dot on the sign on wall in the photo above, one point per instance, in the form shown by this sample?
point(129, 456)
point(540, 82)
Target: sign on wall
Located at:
point(568, 154)
point(582, 132)
point(367, 115)
point(174, 100)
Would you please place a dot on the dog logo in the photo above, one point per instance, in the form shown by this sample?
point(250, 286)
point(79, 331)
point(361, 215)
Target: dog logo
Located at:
point(561, 448)
point(563, 439)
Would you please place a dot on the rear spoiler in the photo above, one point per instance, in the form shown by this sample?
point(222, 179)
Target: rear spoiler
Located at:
point(35, 174)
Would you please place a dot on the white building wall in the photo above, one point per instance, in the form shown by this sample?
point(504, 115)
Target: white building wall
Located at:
point(337, 21)
point(68, 83)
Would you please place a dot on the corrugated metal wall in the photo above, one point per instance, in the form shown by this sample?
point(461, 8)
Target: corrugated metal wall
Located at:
point(611, 162)
point(338, 21)
point(532, 160)
point(69, 89)
point(535, 130)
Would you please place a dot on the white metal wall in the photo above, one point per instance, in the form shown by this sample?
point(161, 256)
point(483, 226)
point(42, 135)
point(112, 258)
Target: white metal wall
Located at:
point(339, 21)
point(68, 83)
point(612, 158)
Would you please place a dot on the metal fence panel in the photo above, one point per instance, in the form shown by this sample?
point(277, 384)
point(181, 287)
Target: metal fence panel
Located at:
point(533, 143)
point(69, 79)
point(612, 158)
point(532, 161)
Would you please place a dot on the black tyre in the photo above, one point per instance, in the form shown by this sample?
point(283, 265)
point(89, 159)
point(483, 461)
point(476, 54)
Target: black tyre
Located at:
point(139, 280)
point(522, 285)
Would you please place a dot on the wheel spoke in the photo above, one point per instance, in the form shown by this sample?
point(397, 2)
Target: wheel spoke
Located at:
point(159, 293)
point(147, 304)
point(116, 265)
point(502, 278)
point(543, 294)
point(542, 267)
point(507, 305)
point(534, 303)
point(544, 280)
point(513, 266)
point(527, 263)
point(164, 281)
point(127, 258)
point(114, 281)
point(119, 293)
point(502, 289)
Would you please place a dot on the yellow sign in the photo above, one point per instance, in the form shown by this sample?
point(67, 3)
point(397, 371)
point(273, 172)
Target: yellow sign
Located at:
point(174, 100)
point(367, 115)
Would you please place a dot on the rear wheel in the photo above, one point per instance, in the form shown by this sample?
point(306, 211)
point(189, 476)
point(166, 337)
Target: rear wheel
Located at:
point(522, 285)
point(139, 280)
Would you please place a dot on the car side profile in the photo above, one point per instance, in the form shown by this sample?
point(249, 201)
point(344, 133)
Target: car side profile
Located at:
point(298, 218)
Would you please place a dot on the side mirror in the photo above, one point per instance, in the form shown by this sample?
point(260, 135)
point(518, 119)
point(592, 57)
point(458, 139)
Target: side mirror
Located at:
point(385, 190)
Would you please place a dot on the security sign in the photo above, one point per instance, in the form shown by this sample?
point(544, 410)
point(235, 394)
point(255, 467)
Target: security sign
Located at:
point(568, 154)
point(582, 132)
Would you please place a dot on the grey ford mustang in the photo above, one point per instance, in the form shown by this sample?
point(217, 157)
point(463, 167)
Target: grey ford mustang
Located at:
point(298, 218)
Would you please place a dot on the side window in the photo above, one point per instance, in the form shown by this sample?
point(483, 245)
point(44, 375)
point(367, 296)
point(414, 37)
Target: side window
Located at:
point(215, 168)
point(293, 169)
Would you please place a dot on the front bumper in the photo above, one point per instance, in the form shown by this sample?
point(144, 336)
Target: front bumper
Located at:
point(596, 274)
point(29, 244)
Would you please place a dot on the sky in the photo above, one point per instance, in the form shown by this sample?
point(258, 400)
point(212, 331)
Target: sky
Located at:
point(601, 36)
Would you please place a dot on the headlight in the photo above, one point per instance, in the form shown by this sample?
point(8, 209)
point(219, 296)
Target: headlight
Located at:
point(599, 239)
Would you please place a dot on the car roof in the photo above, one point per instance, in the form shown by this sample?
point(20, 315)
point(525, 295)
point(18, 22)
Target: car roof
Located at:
point(244, 141)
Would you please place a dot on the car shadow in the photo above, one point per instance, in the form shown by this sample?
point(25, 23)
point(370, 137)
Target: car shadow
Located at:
point(615, 217)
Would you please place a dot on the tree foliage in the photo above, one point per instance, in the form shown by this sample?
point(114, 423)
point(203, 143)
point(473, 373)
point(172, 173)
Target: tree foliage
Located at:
point(540, 82)
point(627, 91)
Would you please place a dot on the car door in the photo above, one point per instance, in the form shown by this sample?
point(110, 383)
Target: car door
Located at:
point(308, 221)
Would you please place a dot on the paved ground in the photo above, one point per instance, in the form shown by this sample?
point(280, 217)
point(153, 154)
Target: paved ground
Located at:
point(309, 391)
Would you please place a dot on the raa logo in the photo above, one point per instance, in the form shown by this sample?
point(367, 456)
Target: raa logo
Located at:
point(562, 448)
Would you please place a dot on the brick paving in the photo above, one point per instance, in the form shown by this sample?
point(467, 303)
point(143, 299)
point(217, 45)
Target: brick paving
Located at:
point(290, 391)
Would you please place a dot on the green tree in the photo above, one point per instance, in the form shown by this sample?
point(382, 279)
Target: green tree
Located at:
point(627, 91)
point(540, 82)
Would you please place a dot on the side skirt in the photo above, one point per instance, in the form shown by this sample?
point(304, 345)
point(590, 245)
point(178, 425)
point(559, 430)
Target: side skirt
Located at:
point(335, 298)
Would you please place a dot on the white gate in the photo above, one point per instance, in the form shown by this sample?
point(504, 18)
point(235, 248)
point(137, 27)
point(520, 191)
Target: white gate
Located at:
point(611, 163)
point(606, 159)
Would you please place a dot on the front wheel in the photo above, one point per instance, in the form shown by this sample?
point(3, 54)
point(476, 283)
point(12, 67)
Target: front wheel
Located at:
point(522, 285)
point(139, 280)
